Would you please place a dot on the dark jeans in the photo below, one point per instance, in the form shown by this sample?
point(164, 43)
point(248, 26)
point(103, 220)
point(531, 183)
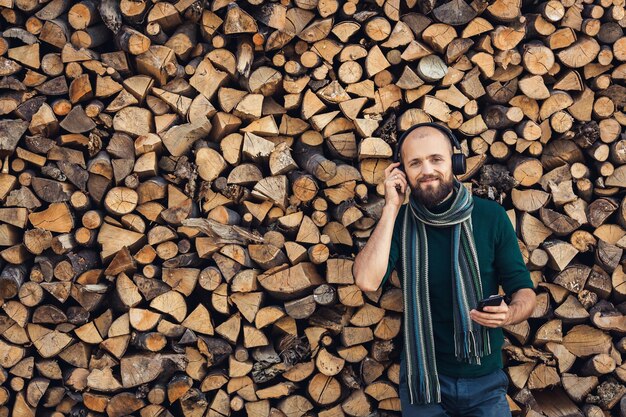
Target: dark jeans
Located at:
point(483, 396)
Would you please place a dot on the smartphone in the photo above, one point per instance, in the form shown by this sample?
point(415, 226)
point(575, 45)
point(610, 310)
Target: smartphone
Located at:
point(400, 168)
point(492, 300)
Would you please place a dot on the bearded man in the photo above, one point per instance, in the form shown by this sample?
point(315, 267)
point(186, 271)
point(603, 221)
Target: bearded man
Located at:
point(451, 250)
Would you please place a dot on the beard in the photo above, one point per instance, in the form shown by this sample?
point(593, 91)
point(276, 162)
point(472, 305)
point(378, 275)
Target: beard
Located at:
point(431, 194)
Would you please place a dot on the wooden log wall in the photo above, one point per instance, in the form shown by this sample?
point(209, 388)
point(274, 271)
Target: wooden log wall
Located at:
point(183, 186)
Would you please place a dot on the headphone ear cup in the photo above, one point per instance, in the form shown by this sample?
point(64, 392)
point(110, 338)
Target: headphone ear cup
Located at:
point(458, 164)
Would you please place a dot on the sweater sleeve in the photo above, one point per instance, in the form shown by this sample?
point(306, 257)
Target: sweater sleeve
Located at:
point(396, 246)
point(511, 269)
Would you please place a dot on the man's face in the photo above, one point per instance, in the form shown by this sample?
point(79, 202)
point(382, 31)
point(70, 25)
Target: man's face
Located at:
point(427, 160)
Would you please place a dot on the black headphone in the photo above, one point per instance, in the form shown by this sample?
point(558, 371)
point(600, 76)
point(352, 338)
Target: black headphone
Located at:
point(459, 165)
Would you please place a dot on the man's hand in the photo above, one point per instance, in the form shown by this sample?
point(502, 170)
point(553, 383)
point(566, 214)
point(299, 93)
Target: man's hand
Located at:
point(492, 316)
point(521, 307)
point(395, 186)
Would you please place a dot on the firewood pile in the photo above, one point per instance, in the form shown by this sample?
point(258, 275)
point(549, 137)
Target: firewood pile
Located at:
point(184, 185)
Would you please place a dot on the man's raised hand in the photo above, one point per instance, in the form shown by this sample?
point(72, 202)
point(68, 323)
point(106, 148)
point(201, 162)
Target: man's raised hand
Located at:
point(395, 186)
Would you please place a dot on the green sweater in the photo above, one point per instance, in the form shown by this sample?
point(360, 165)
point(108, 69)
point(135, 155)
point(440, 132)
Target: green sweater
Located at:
point(500, 263)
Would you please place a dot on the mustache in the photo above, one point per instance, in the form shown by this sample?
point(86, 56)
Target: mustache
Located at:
point(430, 177)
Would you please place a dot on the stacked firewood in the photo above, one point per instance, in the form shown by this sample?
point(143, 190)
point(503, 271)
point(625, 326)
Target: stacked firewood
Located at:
point(184, 185)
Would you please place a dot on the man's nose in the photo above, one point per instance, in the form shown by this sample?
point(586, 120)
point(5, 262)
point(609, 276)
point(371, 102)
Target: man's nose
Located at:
point(427, 168)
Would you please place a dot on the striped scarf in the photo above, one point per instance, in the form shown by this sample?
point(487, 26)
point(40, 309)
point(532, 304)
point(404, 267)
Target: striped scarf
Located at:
point(471, 339)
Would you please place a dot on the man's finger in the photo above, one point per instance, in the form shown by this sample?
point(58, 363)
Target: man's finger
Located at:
point(484, 323)
point(496, 309)
point(396, 180)
point(495, 320)
point(391, 167)
point(483, 314)
point(395, 173)
point(503, 307)
point(487, 316)
point(488, 323)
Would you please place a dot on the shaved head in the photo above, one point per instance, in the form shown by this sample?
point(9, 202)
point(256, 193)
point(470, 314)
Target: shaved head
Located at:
point(424, 132)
